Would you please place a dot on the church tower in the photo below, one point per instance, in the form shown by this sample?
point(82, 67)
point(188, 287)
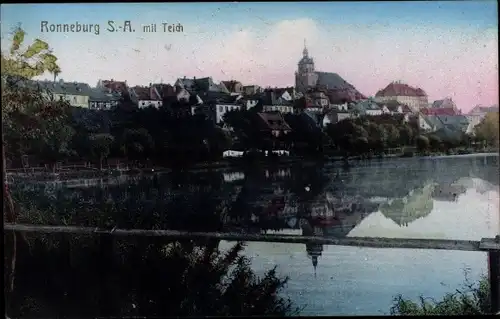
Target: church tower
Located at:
point(305, 77)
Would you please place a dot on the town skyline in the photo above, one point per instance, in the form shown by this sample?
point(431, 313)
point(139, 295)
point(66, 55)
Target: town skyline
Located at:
point(452, 52)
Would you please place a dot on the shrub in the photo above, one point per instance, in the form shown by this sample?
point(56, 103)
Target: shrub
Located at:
point(472, 299)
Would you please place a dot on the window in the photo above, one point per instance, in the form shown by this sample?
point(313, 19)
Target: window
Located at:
point(221, 109)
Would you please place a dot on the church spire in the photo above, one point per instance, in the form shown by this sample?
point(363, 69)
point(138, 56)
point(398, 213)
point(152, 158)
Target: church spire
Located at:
point(305, 53)
point(315, 264)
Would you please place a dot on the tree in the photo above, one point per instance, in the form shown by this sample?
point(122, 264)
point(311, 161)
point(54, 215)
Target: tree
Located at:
point(17, 98)
point(422, 143)
point(100, 145)
point(487, 129)
point(434, 142)
point(393, 137)
point(406, 134)
point(137, 143)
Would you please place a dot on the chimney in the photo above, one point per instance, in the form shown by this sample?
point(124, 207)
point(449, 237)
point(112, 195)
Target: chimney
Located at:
point(184, 77)
point(194, 78)
point(112, 80)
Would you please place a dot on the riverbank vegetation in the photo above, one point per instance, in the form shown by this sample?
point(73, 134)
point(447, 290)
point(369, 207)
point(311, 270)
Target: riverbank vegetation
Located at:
point(471, 299)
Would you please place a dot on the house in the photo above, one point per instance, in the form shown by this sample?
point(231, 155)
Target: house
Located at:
point(277, 99)
point(251, 89)
point(319, 98)
point(415, 98)
point(144, 96)
point(428, 123)
point(455, 122)
point(222, 108)
point(250, 101)
point(439, 111)
point(195, 85)
point(103, 100)
point(171, 94)
point(274, 123)
point(233, 86)
point(433, 123)
point(76, 94)
point(446, 103)
point(112, 86)
point(313, 117)
point(481, 111)
point(367, 107)
point(335, 116)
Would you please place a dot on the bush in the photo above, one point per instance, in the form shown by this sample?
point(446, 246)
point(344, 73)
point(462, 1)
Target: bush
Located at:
point(146, 278)
point(422, 143)
point(408, 154)
point(472, 299)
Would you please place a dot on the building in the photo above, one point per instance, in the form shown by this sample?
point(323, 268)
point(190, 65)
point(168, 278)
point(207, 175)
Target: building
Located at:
point(251, 89)
point(439, 111)
point(277, 99)
point(415, 98)
point(319, 99)
point(307, 78)
point(368, 107)
point(103, 100)
point(274, 123)
point(76, 94)
point(481, 111)
point(335, 116)
point(112, 86)
point(195, 85)
point(222, 108)
point(143, 96)
point(446, 103)
point(454, 123)
point(233, 86)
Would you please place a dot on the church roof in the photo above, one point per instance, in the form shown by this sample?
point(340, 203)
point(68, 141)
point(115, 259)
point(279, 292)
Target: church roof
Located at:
point(332, 80)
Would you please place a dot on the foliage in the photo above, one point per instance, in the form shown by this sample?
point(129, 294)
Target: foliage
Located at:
point(488, 130)
point(434, 142)
point(422, 143)
point(138, 277)
point(101, 145)
point(28, 115)
point(472, 299)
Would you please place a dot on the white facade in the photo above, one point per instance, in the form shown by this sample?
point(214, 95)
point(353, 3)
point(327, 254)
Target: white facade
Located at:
point(339, 116)
point(146, 103)
point(222, 109)
point(251, 103)
point(374, 112)
point(279, 108)
point(103, 105)
point(415, 103)
point(423, 124)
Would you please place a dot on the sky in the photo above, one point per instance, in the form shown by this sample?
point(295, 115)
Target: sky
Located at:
point(449, 49)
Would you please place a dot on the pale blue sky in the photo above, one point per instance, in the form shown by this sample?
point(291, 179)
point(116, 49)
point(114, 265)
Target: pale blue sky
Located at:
point(368, 43)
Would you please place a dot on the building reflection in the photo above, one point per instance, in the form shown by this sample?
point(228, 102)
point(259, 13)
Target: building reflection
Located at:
point(332, 216)
point(417, 204)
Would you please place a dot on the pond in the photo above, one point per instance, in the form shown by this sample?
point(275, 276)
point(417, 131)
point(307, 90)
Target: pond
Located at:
point(439, 197)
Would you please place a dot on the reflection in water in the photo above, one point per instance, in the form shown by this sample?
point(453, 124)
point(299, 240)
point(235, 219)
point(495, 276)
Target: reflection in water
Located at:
point(449, 198)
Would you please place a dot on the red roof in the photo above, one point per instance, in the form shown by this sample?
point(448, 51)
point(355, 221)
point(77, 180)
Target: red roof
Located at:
point(115, 86)
point(438, 111)
point(400, 89)
point(165, 90)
